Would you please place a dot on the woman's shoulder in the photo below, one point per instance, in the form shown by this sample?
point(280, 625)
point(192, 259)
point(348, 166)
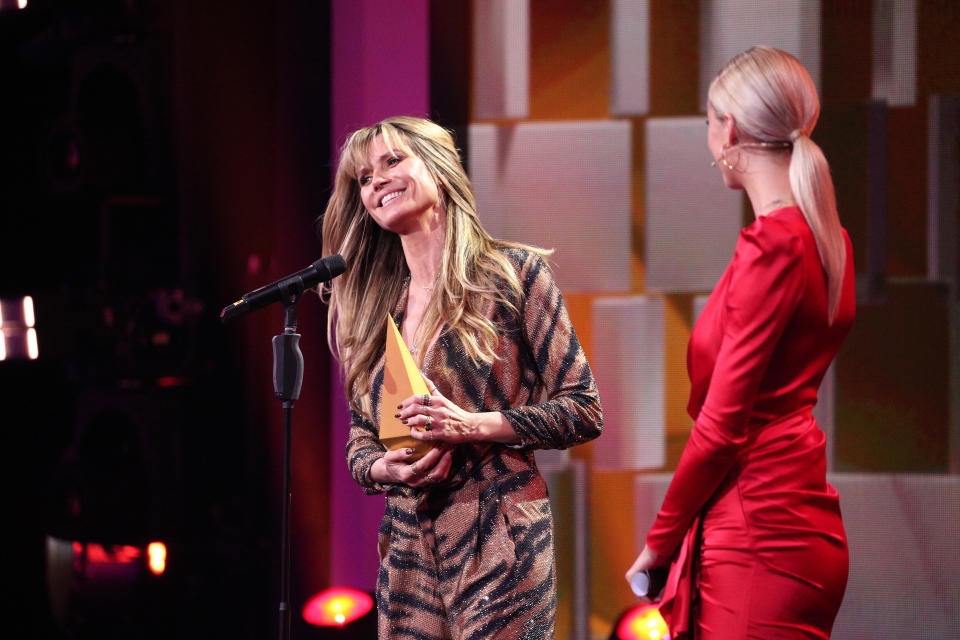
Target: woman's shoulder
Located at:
point(524, 259)
point(783, 233)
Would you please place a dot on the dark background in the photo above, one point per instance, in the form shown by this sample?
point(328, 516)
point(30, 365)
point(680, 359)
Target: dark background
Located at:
point(153, 157)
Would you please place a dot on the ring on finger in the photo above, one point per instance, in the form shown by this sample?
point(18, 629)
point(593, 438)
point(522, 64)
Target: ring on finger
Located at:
point(425, 399)
point(414, 470)
point(428, 424)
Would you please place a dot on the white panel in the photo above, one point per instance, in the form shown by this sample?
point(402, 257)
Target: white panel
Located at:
point(501, 58)
point(552, 459)
point(559, 185)
point(895, 52)
point(904, 539)
point(569, 488)
point(728, 27)
point(648, 493)
point(627, 359)
point(630, 57)
point(699, 302)
point(824, 411)
point(692, 220)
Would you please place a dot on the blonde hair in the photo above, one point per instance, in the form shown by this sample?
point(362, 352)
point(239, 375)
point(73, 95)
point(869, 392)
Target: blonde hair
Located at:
point(474, 272)
point(772, 99)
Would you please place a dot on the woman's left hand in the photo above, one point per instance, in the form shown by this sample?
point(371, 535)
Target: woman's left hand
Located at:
point(433, 418)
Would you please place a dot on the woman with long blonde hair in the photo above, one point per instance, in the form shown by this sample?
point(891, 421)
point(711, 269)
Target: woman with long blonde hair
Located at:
point(466, 542)
point(750, 527)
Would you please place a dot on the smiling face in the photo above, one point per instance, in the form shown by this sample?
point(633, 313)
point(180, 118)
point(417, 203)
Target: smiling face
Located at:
point(396, 187)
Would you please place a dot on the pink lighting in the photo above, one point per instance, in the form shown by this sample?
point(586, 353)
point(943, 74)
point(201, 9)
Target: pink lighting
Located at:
point(336, 607)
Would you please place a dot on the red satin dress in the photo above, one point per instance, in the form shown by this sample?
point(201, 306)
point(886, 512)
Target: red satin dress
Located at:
point(753, 525)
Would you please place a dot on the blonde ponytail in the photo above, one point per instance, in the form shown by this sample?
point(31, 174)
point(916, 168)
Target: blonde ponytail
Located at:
point(812, 188)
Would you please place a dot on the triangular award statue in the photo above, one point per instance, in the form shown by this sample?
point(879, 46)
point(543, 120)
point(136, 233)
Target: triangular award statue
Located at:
point(401, 379)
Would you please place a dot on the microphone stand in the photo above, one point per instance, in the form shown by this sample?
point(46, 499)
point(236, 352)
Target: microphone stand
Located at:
point(287, 380)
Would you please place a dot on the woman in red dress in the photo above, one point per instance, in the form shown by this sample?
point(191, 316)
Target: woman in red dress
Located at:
point(749, 524)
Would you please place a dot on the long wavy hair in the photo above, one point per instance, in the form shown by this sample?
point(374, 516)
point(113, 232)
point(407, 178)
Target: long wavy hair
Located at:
point(772, 99)
point(474, 272)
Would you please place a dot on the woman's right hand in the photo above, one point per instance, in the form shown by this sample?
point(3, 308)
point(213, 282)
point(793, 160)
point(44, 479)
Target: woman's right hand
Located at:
point(398, 467)
point(648, 559)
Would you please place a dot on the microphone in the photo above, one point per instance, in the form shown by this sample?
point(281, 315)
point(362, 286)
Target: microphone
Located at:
point(293, 285)
point(650, 583)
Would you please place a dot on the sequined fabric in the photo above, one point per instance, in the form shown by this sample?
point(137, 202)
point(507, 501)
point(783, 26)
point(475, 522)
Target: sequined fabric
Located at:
point(473, 557)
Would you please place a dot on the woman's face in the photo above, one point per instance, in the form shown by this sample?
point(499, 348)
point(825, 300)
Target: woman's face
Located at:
point(396, 188)
point(719, 133)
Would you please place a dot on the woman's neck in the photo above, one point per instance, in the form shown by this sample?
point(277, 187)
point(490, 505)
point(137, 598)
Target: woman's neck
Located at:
point(768, 183)
point(423, 250)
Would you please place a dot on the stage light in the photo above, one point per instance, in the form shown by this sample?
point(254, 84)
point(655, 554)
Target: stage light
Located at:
point(33, 349)
point(336, 607)
point(18, 335)
point(22, 4)
point(157, 557)
point(29, 319)
point(642, 622)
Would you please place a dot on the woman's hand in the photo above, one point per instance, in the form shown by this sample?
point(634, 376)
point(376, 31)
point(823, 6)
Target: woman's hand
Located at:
point(647, 560)
point(398, 467)
point(435, 419)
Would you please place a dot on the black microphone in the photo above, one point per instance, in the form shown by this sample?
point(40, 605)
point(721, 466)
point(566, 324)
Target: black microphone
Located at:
point(285, 288)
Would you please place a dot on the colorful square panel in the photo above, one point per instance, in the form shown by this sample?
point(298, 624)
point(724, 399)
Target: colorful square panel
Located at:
point(903, 533)
point(628, 357)
point(563, 186)
point(692, 220)
point(728, 27)
point(630, 57)
point(501, 59)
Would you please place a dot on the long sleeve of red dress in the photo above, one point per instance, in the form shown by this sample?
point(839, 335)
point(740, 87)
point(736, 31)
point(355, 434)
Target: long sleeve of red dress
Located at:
point(754, 468)
point(766, 281)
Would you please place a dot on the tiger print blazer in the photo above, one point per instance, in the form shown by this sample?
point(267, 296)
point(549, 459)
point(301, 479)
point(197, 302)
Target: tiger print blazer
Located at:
point(472, 557)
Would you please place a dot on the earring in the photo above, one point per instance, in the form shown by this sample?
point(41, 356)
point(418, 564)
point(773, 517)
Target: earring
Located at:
point(723, 156)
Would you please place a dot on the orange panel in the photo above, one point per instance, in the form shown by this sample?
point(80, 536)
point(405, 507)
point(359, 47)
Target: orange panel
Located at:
point(569, 60)
point(614, 544)
point(677, 315)
point(675, 57)
point(637, 209)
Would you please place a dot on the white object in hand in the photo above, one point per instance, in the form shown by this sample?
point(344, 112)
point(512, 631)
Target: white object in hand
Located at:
point(640, 583)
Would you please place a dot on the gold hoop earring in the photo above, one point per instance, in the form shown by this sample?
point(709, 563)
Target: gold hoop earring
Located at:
point(723, 157)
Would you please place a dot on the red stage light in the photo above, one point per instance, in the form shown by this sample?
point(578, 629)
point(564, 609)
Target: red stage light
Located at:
point(643, 622)
point(336, 607)
point(157, 557)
